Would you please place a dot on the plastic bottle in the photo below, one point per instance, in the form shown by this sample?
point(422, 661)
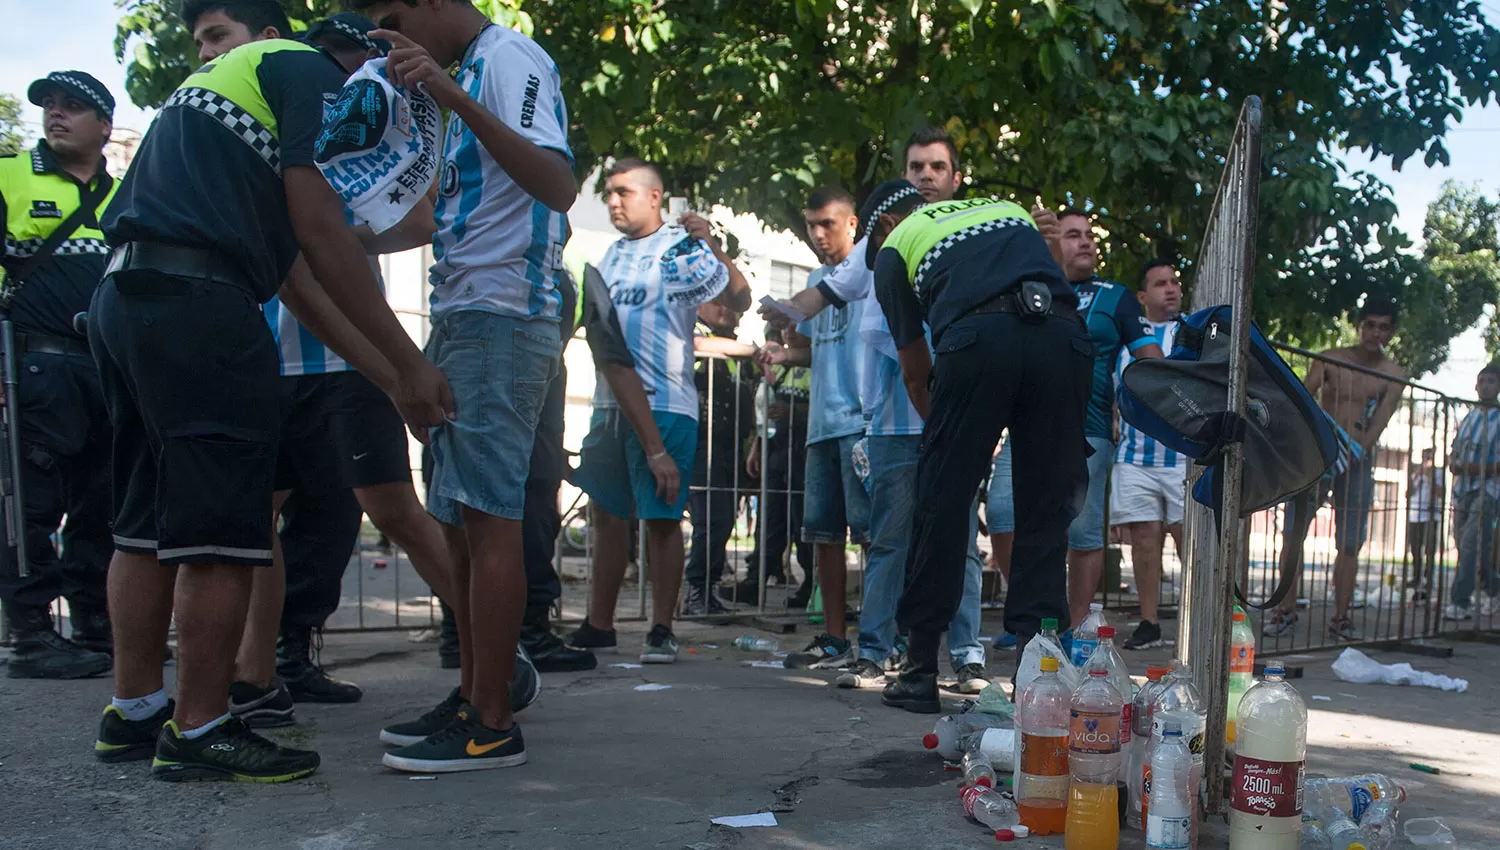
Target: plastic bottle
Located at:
point(1265, 811)
point(1094, 763)
point(1241, 668)
point(1044, 644)
point(977, 769)
point(1169, 822)
point(998, 744)
point(1352, 795)
point(989, 807)
point(1042, 712)
point(1312, 837)
point(1342, 833)
point(1378, 826)
point(751, 643)
point(1140, 738)
point(1086, 636)
point(1178, 700)
point(947, 735)
point(1107, 658)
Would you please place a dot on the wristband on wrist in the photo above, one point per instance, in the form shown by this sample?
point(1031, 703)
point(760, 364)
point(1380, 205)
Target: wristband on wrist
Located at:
point(658, 456)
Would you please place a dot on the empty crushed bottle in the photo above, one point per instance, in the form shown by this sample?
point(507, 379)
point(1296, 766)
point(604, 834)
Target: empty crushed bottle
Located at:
point(751, 643)
point(1312, 837)
point(1378, 826)
point(1352, 795)
point(977, 768)
point(990, 807)
point(1342, 833)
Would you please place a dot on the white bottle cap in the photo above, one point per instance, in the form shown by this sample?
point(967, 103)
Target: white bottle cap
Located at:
point(1021, 831)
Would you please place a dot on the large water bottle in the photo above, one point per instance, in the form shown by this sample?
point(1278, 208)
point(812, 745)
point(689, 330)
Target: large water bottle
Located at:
point(1241, 669)
point(1045, 643)
point(1178, 700)
point(1094, 762)
point(1265, 811)
point(947, 735)
point(1342, 833)
point(1137, 754)
point(1169, 822)
point(1086, 636)
point(1041, 783)
point(990, 808)
point(1352, 795)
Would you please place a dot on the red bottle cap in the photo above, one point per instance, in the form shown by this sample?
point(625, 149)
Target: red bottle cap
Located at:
point(930, 741)
point(1107, 632)
point(1005, 835)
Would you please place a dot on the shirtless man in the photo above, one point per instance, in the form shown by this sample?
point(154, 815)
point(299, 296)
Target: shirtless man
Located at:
point(1362, 403)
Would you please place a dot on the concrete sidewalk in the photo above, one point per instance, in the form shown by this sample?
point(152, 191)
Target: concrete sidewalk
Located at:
point(616, 767)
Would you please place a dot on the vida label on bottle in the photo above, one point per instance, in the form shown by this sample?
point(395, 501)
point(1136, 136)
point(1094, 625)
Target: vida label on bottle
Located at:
point(1267, 788)
point(1093, 732)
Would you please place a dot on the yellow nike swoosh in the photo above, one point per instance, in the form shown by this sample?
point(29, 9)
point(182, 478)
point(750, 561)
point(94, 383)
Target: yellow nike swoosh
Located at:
point(475, 749)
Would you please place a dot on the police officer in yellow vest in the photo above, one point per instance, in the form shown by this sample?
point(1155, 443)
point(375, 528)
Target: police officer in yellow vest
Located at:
point(62, 422)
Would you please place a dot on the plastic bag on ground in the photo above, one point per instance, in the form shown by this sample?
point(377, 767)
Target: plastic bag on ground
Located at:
point(1354, 666)
point(1429, 832)
point(993, 700)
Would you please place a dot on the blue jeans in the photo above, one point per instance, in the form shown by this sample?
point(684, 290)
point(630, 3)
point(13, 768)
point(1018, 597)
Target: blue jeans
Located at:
point(893, 501)
point(1475, 516)
point(1086, 531)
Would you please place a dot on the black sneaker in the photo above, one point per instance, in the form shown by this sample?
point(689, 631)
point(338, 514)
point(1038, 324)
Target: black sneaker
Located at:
point(700, 604)
point(551, 655)
point(660, 646)
point(129, 740)
point(39, 652)
point(464, 744)
point(525, 682)
point(262, 708)
point(588, 637)
point(304, 677)
point(1147, 634)
point(826, 652)
point(861, 674)
point(970, 679)
point(230, 752)
point(416, 731)
point(914, 690)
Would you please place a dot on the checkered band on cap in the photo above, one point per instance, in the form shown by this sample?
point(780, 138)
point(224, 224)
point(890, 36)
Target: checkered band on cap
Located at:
point(885, 206)
point(957, 236)
point(21, 249)
point(352, 33)
point(231, 115)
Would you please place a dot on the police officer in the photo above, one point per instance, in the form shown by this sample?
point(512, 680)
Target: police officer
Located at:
point(63, 426)
point(1011, 352)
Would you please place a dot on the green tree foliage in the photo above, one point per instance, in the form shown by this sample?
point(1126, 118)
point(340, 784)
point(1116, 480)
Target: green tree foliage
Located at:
point(12, 136)
point(1126, 107)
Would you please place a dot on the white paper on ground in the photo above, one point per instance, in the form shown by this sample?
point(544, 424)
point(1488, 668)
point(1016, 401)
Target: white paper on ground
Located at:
point(774, 665)
point(710, 646)
point(739, 821)
point(625, 665)
point(652, 686)
point(1354, 666)
point(1321, 698)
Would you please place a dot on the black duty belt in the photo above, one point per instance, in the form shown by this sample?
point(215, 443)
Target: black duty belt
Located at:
point(177, 261)
point(1005, 302)
point(45, 344)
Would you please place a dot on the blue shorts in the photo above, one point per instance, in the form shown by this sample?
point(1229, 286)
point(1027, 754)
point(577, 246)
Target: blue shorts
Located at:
point(612, 465)
point(499, 368)
point(1086, 532)
point(834, 499)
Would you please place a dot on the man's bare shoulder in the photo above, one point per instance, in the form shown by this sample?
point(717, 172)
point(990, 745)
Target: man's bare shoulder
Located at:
point(1394, 369)
point(1345, 355)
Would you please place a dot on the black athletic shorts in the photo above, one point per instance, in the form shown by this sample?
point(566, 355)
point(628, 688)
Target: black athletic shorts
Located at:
point(190, 377)
point(340, 428)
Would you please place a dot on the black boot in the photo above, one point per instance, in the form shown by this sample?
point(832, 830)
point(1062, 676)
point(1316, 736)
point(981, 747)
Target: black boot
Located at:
point(91, 629)
point(304, 677)
point(915, 688)
point(41, 653)
point(701, 604)
point(549, 654)
point(448, 655)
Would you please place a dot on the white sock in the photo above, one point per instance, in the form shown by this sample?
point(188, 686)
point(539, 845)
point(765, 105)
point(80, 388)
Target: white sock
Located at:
point(190, 734)
point(140, 708)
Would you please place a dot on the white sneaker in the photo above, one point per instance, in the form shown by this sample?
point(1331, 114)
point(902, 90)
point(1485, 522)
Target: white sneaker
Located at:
point(1358, 600)
point(1488, 604)
point(1454, 612)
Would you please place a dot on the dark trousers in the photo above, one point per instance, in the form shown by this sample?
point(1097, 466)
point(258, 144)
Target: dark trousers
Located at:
point(540, 519)
point(779, 522)
point(65, 468)
point(991, 372)
point(711, 515)
point(319, 530)
point(1422, 538)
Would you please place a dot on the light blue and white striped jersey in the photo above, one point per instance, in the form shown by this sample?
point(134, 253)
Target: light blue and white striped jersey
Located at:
point(657, 283)
point(1478, 441)
point(1137, 448)
point(838, 364)
point(497, 248)
point(301, 352)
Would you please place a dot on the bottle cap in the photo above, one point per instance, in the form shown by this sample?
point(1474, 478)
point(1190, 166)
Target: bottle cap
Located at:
point(930, 741)
point(1275, 670)
point(1239, 616)
point(1096, 606)
point(1021, 830)
point(1106, 632)
point(1049, 624)
point(1049, 665)
point(1010, 835)
point(1171, 727)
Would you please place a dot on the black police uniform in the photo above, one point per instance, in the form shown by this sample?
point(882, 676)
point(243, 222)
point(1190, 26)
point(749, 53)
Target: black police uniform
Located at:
point(64, 427)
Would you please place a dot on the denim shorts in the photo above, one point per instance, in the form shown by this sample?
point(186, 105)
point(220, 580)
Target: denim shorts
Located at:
point(1086, 532)
point(834, 497)
point(499, 368)
point(612, 465)
point(1352, 494)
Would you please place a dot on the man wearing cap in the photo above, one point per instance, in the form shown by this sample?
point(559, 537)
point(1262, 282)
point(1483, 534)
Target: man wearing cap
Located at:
point(1011, 352)
point(58, 188)
point(222, 197)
